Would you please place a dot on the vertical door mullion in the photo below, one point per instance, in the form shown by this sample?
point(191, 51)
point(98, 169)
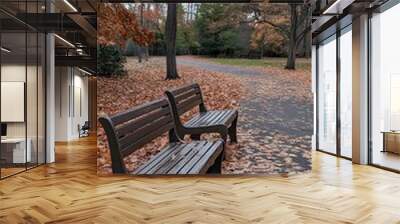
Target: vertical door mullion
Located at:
point(338, 80)
point(1, 53)
point(26, 86)
point(37, 90)
point(44, 81)
point(369, 77)
point(317, 97)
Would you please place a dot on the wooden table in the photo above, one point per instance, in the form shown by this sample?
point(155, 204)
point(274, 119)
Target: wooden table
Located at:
point(391, 141)
point(13, 151)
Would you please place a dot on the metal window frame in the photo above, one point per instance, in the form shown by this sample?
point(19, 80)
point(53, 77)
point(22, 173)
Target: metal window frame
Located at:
point(338, 32)
point(44, 74)
point(381, 9)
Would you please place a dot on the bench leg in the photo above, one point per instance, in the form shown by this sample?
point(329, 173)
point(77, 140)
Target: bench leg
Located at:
point(217, 166)
point(172, 136)
point(232, 131)
point(195, 136)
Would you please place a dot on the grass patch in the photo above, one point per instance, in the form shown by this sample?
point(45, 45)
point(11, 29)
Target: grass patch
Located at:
point(301, 63)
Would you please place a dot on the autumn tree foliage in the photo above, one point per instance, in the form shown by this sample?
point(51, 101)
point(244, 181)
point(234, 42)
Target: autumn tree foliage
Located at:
point(276, 24)
point(117, 24)
point(270, 23)
point(264, 37)
point(215, 29)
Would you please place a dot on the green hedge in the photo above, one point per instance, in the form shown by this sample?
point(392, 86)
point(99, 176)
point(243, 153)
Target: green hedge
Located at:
point(110, 60)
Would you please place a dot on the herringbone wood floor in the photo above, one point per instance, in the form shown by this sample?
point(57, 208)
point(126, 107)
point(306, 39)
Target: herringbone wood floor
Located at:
point(70, 192)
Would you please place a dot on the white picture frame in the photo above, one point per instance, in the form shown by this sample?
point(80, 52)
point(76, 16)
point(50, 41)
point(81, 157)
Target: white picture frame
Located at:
point(12, 101)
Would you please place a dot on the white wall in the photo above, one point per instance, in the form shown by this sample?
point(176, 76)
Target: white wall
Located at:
point(81, 84)
point(17, 73)
point(62, 81)
point(33, 126)
point(10, 73)
point(71, 102)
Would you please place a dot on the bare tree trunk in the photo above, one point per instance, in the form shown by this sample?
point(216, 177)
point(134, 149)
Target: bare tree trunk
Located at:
point(292, 48)
point(146, 53)
point(140, 50)
point(307, 36)
point(170, 39)
point(304, 38)
point(262, 46)
point(187, 13)
point(146, 48)
point(139, 54)
point(262, 51)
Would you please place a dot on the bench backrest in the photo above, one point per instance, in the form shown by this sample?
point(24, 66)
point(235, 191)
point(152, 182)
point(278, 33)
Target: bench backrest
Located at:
point(185, 98)
point(130, 130)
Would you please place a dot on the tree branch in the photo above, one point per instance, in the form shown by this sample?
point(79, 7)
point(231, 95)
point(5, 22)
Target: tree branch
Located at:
point(302, 34)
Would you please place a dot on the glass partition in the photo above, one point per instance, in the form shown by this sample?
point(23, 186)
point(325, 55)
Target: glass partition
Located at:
point(385, 89)
point(346, 92)
point(22, 78)
point(31, 99)
point(41, 97)
point(13, 90)
point(327, 95)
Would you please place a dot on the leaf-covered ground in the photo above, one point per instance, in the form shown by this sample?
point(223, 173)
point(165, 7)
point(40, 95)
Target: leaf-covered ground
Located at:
point(145, 82)
point(275, 118)
point(275, 111)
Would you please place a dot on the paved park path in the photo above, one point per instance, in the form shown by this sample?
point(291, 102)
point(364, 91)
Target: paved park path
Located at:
point(275, 120)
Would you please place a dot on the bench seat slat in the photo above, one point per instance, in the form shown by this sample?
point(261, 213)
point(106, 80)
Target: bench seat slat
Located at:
point(227, 118)
point(205, 119)
point(184, 161)
point(164, 153)
point(187, 152)
point(196, 120)
point(223, 117)
point(166, 159)
point(169, 159)
point(183, 158)
point(216, 117)
point(204, 159)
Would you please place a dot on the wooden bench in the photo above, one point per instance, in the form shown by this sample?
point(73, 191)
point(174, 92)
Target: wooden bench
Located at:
point(218, 121)
point(132, 129)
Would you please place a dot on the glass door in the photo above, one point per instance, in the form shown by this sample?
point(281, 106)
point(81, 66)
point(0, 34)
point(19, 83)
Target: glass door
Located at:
point(385, 89)
point(22, 77)
point(346, 94)
point(14, 153)
point(327, 95)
